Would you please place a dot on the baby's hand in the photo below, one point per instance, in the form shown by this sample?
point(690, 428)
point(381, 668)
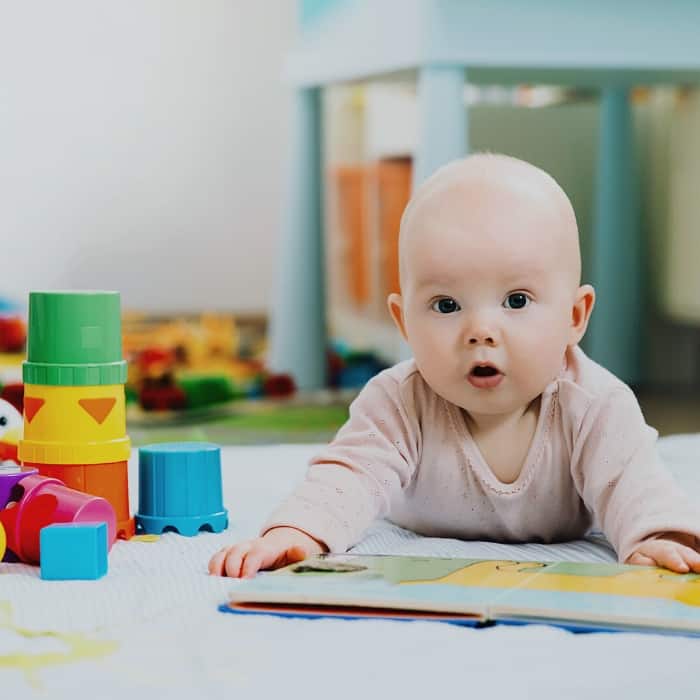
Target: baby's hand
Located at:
point(672, 550)
point(277, 547)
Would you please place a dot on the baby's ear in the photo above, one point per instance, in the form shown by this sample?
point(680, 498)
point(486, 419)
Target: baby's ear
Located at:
point(395, 304)
point(581, 313)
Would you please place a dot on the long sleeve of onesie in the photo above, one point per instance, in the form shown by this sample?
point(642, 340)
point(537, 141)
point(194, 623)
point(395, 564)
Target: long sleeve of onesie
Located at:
point(351, 481)
point(617, 472)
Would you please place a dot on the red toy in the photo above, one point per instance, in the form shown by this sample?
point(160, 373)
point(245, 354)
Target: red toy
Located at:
point(13, 334)
point(162, 397)
point(10, 431)
point(14, 394)
point(279, 385)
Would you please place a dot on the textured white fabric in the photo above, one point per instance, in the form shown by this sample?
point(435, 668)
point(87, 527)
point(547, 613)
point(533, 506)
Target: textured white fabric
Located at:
point(160, 608)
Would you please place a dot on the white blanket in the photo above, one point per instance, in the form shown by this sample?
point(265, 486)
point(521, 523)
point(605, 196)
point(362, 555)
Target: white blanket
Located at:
point(151, 628)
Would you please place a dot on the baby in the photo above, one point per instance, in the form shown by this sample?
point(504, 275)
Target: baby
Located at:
point(500, 428)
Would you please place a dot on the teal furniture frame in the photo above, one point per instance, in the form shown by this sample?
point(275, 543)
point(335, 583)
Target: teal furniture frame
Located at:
point(609, 46)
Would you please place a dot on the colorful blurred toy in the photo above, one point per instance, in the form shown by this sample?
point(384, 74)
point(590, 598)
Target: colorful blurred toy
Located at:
point(30, 502)
point(193, 363)
point(352, 369)
point(14, 393)
point(10, 432)
point(74, 406)
point(279, 385)
point(206, 390)
point(155, 396)
point(13, 333)
point(13, 327)
point(152, 373)
point(180, 489)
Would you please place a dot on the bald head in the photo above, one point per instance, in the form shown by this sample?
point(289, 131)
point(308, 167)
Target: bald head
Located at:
point(496, 196)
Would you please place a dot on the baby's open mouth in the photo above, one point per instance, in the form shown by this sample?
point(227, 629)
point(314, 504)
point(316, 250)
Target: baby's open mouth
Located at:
point(484, 371)
point(485, 376)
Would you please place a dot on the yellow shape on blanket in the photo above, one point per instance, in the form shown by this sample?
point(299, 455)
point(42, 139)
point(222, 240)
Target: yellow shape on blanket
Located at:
point(144, 538)
point(79, 648)
point(645, 582)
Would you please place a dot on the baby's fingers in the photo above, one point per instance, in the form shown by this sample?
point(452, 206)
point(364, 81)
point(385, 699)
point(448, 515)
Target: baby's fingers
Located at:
point(670, 555)
point(671, 559)
point(227, 561)
point(691, 557)
point(216, 563)
point(686, 545)
point(234, 559)
point(254, 560)
point(639, 559)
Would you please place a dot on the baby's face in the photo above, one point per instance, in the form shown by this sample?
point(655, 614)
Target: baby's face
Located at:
point(489, 280)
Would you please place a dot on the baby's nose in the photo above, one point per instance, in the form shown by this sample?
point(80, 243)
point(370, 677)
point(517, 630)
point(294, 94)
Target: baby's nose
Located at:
point(480, 332)
point(482, 339)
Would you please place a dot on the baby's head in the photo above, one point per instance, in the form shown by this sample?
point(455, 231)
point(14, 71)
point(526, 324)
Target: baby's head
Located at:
point(490, 282)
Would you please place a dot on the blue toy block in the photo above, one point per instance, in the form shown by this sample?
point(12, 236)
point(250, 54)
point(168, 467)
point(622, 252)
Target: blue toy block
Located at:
point(73, 551)
point(180, 489)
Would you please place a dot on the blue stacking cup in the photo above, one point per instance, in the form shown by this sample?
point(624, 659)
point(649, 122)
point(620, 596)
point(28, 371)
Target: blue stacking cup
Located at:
point(180, 489)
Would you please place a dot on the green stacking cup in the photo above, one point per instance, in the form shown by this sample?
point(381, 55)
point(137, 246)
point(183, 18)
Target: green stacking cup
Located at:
point(74, 339)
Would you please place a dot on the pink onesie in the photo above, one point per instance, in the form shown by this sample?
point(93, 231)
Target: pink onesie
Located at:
point(406, 454)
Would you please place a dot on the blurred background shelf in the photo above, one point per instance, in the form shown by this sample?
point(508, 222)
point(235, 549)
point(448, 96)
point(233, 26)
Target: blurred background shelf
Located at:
point(500, 41)
point(430, 51)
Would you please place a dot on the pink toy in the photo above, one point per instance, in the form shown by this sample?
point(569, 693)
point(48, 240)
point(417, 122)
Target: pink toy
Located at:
point(36, 501)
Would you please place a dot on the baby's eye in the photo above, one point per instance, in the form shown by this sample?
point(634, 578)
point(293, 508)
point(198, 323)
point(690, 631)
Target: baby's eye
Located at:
point(517, 300)
point(446, 305)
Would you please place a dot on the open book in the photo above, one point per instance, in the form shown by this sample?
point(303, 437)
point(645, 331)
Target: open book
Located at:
point(477, 592)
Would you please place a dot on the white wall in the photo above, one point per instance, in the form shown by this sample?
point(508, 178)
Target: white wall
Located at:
point(143, 147)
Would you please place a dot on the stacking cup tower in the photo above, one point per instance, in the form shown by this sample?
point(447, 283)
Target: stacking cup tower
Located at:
point(74, 407)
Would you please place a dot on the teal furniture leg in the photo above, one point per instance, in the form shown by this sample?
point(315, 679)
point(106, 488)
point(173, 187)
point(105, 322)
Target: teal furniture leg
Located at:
point(615, 339)
point(442, 127)
point(298, 318)
point(442, 119)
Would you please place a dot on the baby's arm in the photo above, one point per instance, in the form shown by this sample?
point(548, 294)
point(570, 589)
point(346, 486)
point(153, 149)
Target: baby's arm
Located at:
point(643, 512)
point(347, 486)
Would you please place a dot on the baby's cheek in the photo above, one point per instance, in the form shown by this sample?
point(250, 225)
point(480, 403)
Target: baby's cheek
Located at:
point(427, 339)
point(544, 362)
